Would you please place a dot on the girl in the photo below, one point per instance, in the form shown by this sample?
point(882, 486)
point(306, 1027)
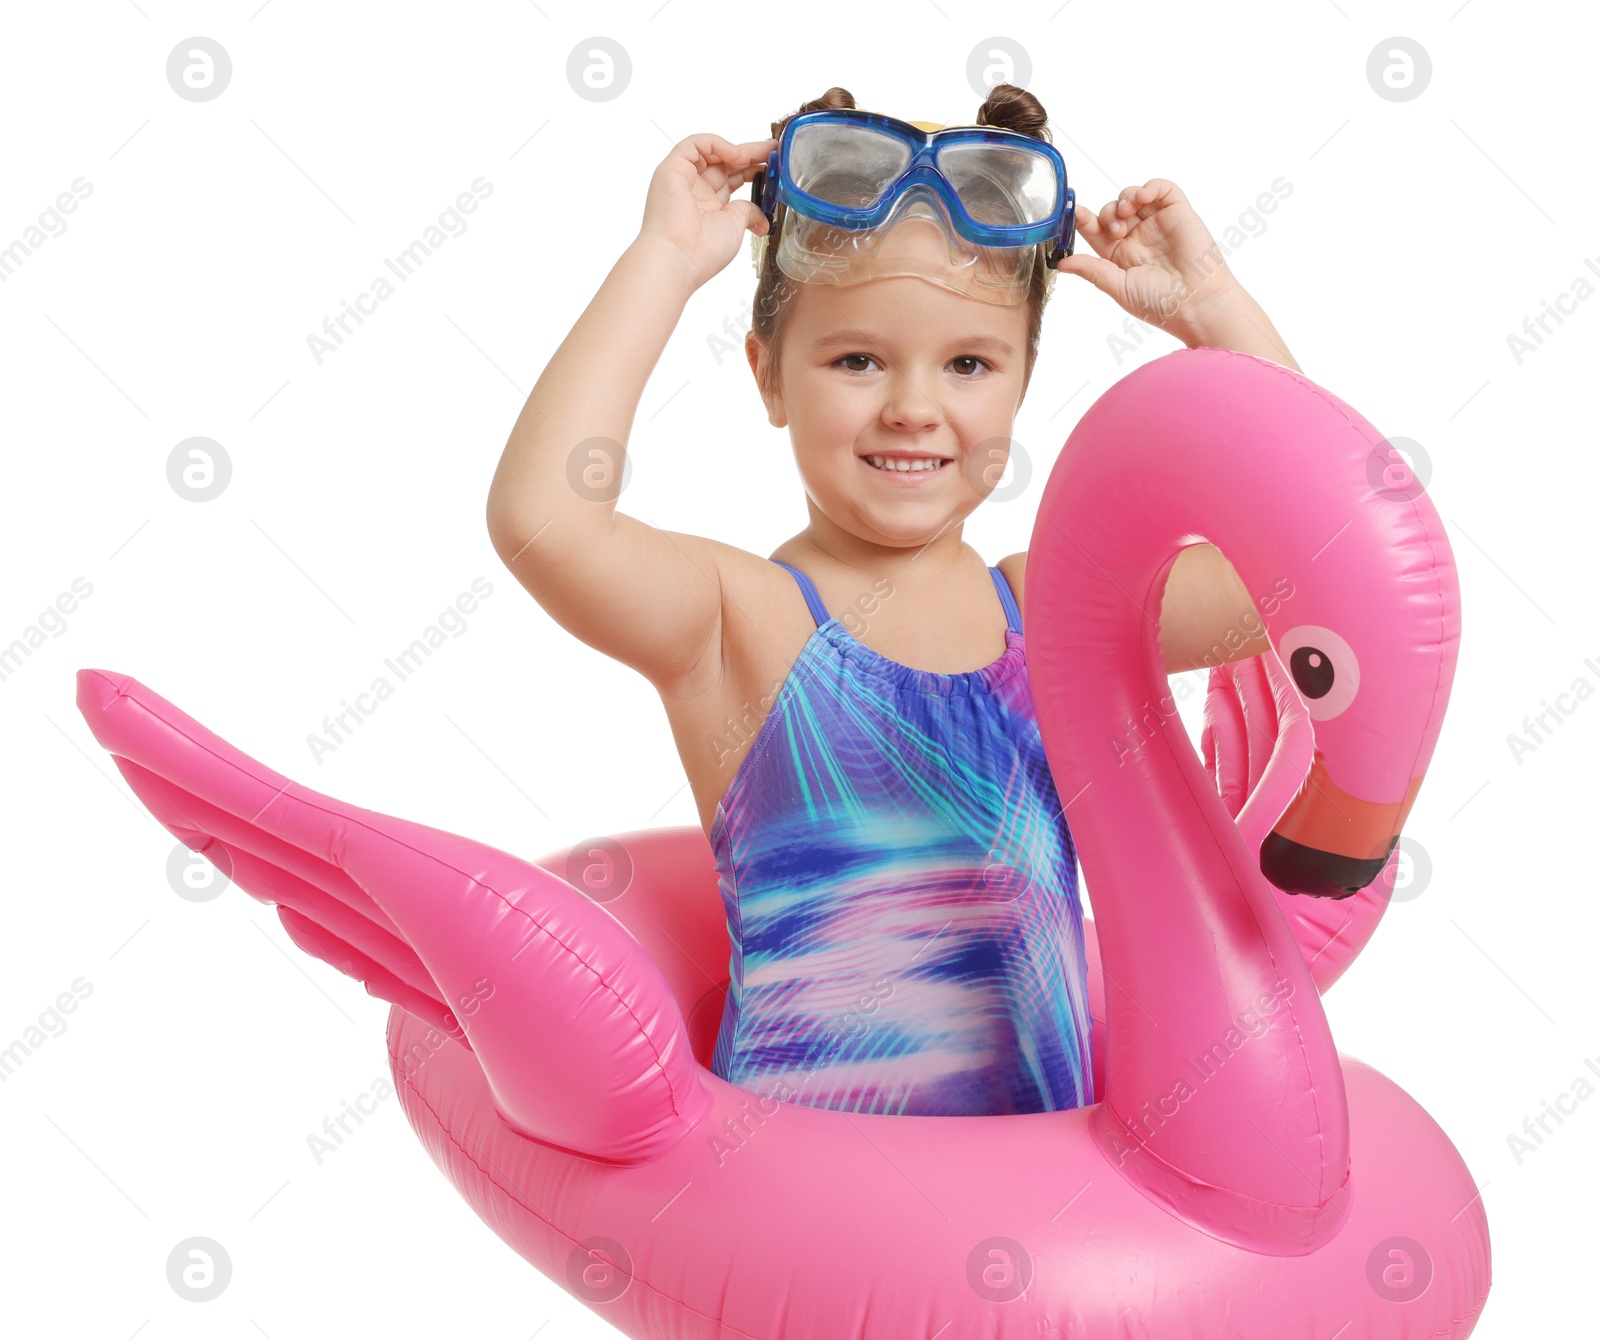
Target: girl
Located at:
point(895, 863)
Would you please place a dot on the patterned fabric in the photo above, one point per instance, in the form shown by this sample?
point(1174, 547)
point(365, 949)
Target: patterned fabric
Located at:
point(901, 892)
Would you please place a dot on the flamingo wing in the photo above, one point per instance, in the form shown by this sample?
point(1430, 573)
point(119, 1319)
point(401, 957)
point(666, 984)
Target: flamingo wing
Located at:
point(578, 1035)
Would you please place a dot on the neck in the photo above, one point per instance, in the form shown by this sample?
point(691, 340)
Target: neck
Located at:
point(923, 559)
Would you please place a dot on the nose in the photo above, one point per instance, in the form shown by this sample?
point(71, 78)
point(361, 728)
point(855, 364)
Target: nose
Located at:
point(908, 406)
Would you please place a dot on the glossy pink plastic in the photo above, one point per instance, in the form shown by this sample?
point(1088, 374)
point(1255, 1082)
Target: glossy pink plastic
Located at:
point(1237, 1176)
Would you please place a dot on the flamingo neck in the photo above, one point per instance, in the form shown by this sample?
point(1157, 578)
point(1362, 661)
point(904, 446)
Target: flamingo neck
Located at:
point(1224, 1098)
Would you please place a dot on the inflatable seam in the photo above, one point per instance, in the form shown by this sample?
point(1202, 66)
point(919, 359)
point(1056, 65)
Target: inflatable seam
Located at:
point(1294, 1021)
point(512, 1194)
point(1343, 412)
point(1328, 399)
point(1425, 532)
point(354, 818)
point(655, 1052)
point(1188, 1179)
point(1424, 529)
point(1471, 1314)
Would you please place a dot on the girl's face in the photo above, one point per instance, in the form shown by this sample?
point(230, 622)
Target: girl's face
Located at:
point(893, 367)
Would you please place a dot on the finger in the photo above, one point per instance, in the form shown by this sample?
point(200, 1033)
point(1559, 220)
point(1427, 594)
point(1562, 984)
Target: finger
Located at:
point(754, 219)
point(1103, 274)
point(1163, 192)
point(720, 161)
point(1143, 201)
point(710, 148)
point(1087, 224)
point(726, 183)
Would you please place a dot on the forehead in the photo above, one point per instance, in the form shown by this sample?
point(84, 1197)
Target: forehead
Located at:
point(903, 311)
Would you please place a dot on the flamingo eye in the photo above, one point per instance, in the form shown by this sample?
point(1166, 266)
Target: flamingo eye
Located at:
point(1323, 668)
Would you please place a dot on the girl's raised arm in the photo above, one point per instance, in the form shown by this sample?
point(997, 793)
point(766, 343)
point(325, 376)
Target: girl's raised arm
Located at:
point(647, 597)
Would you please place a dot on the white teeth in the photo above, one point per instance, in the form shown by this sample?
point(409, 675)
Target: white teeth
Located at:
point(904, 464)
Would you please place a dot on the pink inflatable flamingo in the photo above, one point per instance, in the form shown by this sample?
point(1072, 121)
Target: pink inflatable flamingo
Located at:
point(1235, 1177)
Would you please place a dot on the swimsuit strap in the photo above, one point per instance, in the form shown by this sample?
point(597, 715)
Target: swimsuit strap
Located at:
point(1013, 614)
point(819, 611)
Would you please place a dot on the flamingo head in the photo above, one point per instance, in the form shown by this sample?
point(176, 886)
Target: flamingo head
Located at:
point(1374, 671)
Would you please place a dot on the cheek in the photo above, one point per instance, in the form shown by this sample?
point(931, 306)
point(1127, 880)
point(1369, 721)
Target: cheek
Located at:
point(829, 413)
point(988, 410)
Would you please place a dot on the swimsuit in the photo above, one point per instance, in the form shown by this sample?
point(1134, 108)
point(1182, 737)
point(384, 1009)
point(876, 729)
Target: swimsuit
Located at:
point(901, 891)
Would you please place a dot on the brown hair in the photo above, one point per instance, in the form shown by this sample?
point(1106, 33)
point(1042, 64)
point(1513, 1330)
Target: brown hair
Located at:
point(1008, 108)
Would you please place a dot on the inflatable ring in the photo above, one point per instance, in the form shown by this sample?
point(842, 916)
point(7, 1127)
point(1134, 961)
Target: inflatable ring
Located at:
point(1235, 1174)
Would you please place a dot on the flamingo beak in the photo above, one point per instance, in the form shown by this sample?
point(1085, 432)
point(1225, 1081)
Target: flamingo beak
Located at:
point(1329, 843)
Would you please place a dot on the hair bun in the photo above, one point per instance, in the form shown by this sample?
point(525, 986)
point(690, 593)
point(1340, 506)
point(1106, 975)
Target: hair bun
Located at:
point(1011, 108)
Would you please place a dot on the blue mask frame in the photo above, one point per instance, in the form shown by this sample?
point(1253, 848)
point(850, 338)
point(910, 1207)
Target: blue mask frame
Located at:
point(773, 183)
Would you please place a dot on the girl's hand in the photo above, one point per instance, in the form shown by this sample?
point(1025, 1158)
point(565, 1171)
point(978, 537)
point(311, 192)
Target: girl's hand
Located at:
point(1155, 257)
point(689, 207)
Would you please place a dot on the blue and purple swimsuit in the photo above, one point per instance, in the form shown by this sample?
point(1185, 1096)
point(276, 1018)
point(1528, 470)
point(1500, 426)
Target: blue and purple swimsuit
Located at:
point(902, 891)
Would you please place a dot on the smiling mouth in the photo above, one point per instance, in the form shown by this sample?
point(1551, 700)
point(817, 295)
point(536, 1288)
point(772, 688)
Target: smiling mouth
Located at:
point(906, 465)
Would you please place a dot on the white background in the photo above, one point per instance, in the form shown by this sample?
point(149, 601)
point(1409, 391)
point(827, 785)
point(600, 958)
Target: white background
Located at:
point(217, 237)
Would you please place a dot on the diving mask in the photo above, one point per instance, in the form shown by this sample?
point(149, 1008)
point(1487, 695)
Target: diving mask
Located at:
point(850, 179)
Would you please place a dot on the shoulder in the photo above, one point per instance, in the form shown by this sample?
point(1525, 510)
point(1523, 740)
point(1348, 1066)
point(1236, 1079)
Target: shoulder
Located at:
point(760, 607)
point(742, 575)
point(1013, 568)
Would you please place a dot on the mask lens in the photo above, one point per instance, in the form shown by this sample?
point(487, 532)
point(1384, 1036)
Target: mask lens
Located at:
point(999, 185)
point(850, 166)
point(846, 165)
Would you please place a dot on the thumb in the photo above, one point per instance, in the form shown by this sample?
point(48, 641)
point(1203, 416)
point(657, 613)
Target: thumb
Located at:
point(752, 217)
point(1103, 274)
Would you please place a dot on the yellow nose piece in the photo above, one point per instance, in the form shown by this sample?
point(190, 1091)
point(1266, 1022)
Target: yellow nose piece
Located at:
point(929, 126)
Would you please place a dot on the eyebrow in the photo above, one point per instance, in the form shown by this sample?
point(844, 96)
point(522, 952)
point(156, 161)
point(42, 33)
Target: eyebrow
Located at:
point(852, 335)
